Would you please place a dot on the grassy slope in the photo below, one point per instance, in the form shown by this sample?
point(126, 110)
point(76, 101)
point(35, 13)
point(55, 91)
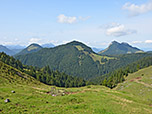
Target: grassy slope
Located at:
point(139, 84)
point(94, 56)
point(31, 97)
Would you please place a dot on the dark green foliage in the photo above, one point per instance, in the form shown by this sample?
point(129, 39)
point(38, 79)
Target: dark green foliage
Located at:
point(11, 61)
point(49, 77)
point(121, 61)
point(104, 60)
point(67, 58)
point(44, 74)
point(116, 48)
point(114, 71)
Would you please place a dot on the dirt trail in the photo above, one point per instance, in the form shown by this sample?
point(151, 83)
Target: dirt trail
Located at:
point(147, 85)
point(137, 80)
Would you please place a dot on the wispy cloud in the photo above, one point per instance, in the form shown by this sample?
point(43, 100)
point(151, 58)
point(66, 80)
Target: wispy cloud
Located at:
point(117, 30)
point(135, 10)
point(137, 42)
point(84, 18)
point(148, 41)
point(65, 19)
point(34, 40)
point(142, 42)
point(71, 19)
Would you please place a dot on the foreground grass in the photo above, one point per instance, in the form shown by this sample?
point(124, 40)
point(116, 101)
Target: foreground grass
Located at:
point(31, 97)
point(85, 100)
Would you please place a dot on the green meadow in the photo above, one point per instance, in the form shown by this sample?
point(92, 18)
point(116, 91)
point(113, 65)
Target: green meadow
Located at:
point(130, 97)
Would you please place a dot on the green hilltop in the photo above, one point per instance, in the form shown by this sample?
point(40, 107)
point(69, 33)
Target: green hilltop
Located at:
point(30, 49)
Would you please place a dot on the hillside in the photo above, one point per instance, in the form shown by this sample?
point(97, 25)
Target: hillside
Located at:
point(6, 50)
point(10, 75)
point(139, 84)
point(74, 58)
point(31, 96)
point(44, 74)
point(30, 49)
point(116, 48)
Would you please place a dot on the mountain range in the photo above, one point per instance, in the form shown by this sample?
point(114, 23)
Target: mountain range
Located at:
point(48, 45)
point(18, 49)
point(71, 58)
point(6, 50)
point(115, 48)
point(77, 59)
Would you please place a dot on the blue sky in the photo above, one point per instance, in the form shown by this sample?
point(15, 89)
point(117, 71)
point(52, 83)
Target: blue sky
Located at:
point(94, 22)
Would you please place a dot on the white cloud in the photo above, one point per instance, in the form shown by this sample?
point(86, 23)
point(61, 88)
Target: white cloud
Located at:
point(65, 19)
point(137, 42)
point(148, 41)
point(142, 42)
point(8, 43)
point(117, 30)
point(135, 10)
point(34, 40)
point(84, 18)
point(70, 20)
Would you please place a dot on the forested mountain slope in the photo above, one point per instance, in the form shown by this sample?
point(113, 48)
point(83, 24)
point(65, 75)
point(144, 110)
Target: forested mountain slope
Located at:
point(77, 59)
point(73, 58)
point(118, 76)
point(44, 74)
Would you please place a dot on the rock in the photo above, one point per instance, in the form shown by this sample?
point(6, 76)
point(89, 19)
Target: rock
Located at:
point(53, 95)
point(53, 88)
point(7, 100)
point(13, 91)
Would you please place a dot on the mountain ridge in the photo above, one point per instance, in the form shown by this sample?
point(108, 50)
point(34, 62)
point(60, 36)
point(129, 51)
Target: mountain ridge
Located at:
point(116, 48)
point(6, 50)
point(77, 59)
point(73, 58)
point(30, 49)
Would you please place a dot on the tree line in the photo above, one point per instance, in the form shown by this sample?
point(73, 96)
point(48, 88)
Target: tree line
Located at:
point(118, 76)
point(44, 74)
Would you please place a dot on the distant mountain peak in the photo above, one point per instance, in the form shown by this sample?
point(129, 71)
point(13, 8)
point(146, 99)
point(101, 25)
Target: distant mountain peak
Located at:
point(34, 44)
point(75, 43)
point(125, 43)
point(30, 49)
point(116, 48)
point(33, 47)
point(48, 45)
point(115, 42)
